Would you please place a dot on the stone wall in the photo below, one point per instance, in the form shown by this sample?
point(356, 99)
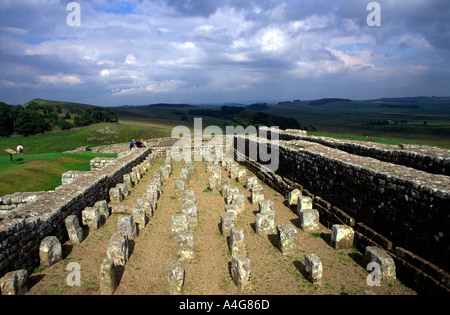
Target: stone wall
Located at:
point(400, 209)
point(23, 228)
point(428, 159)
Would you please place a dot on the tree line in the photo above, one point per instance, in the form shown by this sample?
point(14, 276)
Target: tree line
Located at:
point(35, 118)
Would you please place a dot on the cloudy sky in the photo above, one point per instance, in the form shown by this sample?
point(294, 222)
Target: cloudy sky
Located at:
point(204, 51)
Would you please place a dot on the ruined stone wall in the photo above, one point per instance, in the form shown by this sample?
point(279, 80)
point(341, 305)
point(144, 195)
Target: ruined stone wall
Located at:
point(22, 229)
point(400, 209)
point(428, 159)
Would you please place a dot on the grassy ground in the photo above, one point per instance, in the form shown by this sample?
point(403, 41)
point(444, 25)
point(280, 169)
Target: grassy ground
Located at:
point(39, 172)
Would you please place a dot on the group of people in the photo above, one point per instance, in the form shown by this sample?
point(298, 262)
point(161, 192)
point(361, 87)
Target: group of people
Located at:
point(137, 144)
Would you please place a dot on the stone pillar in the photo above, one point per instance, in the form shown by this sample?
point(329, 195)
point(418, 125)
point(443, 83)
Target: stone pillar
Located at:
point(303, 203)
point(108, 280)
point(175, 279)
point(180, 187)
point(266, 205)
point(385, 262)
point(227, 222)
point(190, 209)
point(265, 223)
point(179, 223)
point(287, 238)
point(139, 217)
point(309, 220)
point(127, 227)
point(50, 251)
point(103, 209)
point(115, 195)
point(314, 269)
point(14, 283)
point(213, 183)
point(293, 197)
point(91, 218)
point(225, 185)
point(127, 181)
point(118, 249)
point(186, 245)
point(342, 237)
point(242, 175)
point(251, 181)
point(74, 229)
point(241, 272)
point(257, 193)
point(237, 242)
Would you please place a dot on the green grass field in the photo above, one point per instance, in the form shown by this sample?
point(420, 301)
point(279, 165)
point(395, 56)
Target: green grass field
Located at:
point(41, 172)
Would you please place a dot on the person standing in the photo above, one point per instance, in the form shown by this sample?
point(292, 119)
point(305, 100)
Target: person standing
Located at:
point(20, 149)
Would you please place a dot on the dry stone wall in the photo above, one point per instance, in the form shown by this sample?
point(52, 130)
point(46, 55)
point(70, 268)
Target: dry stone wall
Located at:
point(391, 206)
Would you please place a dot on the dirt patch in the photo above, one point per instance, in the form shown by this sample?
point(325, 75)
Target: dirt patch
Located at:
point(209, 273)
point(33, 162)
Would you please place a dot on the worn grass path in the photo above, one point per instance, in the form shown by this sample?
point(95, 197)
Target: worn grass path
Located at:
point(153, 250)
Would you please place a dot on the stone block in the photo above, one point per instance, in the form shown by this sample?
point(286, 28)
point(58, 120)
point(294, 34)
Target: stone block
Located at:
point(266, 205)
point(241, 272)
point(213, 183)
point(123, 189)
point(14, 283)
point(180, 187)
point(115, 195)
point(251, 181)
point(108, 279)
point(189, 195)
point(342, 236)
point(190, 209)
point(227, 222)
point(185, 176)
point(314, 269)
point(127, 226)
point(232, 207)
point(179, 223)
point(139, 216)
point(225, 185)
point(146, 203)
point(386, 264)
point(118, 249)
point(234, 171)
point(309, 220)
point(127, 181)
point(287, 239)
point(293, 197)
point(175, 278)
point(265, 223)
point(103, 209)
point(304, 203)
point(237, 241)
point(242, 175)
point(91, 218)
point(186, 245)
point(257, 194)
point(50, 251)
point(74, 229)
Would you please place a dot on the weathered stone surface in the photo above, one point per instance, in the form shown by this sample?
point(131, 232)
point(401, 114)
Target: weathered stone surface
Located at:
point(50, 251)
point(127, 226)
point(123, 189)
point(287, 238)
point(251, 181)
point(304, 203)
point(227, 222)
point(242, 175)
point(237, 241)
point(115, 195)
point(186, 245)
point(241, 272)
point(293, 197)
point(139, 216)
point(232, 207)
point(108, 280)
point(179, 223)
point(185, 176)
point(74, 229)
point(342, 236)
point(14, 283)
point(234, 172)
point(190, 209)
point(257, 193)
point(175, 278)
point(314, 269)
point(265, 223)
point(213, 183)
point(103, 209)
point(225, 185)
point(127, 181)
point(309, 220)
point(266, 205)
point(118, 249)
point(378, 255)
point(180, 187)
point(91, 218)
